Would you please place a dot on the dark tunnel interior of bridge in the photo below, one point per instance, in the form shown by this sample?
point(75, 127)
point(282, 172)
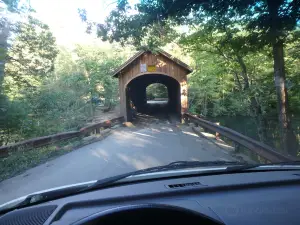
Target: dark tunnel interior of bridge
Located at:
point(136, 96)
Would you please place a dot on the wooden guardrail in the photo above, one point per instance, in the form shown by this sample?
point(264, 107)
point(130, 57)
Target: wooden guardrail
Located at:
point(47, 140)
point(259, 148)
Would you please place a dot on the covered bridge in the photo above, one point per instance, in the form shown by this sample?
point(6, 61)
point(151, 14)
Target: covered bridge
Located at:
point(146, 68)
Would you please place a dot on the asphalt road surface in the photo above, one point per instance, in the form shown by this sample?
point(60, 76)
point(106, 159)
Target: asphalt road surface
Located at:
point(124, 150)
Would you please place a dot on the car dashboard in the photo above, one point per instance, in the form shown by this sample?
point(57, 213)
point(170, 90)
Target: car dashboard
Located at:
point(260, 197)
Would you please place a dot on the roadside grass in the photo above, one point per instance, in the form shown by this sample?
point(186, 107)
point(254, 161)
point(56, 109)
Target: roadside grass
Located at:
point(21, 160)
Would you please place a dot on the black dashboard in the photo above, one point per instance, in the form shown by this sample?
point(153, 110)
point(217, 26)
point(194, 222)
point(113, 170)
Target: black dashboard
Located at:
point(231, 199)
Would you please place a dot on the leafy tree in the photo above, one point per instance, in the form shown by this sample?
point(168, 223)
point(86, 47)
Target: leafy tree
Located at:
point(4, 33)
point(96, 66)
point(62, 98)
point(32, 53)
point(268, 22)
point(156, 90)
point(123, 29)
point(6, 7)
point(30, 58)
point(229, 43)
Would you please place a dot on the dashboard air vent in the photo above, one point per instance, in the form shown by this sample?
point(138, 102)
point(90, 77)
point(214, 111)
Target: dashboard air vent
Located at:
point(185, 185)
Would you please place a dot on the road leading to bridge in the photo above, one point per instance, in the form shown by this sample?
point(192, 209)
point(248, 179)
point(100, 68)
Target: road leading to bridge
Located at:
point(125, 150)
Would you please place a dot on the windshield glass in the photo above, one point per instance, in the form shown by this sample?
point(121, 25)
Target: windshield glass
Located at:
point(91, 89)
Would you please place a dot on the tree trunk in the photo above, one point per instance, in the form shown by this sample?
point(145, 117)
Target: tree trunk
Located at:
point(238, 81)
point(244, 73)
point(260, 120)
point(4, 33)
point(3, 49)
point(88, 79)
point(254, 106)
point(288, 140)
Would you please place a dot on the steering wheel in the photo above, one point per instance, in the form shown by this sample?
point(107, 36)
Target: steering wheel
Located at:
point(147, 214)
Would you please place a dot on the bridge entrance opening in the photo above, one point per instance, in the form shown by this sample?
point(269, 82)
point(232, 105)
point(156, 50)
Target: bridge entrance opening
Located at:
point(153, 94)
point(157, 92)
point(146, 68)
point(157, 98)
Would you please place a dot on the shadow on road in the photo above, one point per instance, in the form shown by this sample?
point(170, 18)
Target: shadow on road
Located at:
point(155, 111)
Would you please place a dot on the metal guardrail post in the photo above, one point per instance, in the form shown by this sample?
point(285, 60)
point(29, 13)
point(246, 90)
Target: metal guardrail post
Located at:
point(217, 134)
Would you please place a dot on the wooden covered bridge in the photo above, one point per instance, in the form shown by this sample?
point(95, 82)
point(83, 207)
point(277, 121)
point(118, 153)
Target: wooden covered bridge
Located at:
point(146, 68)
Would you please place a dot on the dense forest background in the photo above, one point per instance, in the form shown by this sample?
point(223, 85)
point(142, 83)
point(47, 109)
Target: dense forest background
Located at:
point(46, 88)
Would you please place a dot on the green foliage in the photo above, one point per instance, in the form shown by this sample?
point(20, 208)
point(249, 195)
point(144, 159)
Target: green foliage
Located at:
point(96, 67)
point(48, 90)
point(238, 26)
point(268, 21)
point(12, 5)
point(134, 29)
point(61, 99)
point(32, 53)
point(19, 161)
point(292, 58)
point(156, 90)
point(213, 91)
point(13, 122)
point(229, 44)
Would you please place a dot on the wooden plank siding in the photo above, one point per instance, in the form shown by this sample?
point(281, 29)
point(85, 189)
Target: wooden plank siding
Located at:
point(164, 66)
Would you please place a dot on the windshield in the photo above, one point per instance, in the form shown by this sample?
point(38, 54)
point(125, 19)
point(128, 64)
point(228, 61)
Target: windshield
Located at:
point(91, 89)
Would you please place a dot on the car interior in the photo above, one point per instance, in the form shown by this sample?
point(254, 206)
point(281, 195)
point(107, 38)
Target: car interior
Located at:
point(257, 197)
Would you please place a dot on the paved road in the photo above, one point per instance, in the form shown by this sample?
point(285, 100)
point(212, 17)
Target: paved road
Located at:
point(126, 149)
point(157, 102)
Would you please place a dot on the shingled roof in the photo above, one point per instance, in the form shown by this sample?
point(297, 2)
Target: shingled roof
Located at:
point(139, 53)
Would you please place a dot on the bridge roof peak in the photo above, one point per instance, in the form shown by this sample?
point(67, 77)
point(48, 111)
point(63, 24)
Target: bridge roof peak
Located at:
point(140, 53)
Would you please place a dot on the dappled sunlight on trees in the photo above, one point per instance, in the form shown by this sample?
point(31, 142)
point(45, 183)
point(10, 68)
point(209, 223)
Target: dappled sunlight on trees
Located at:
point(63, 99)
point(49, 89)
point(241, 50)
point(237, 50)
